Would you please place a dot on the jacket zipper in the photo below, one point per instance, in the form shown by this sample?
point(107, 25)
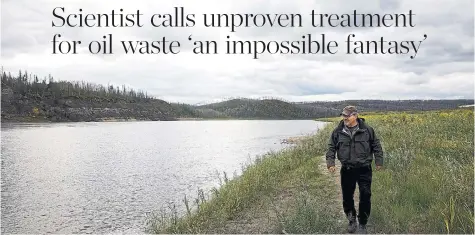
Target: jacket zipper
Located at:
point(351, 140)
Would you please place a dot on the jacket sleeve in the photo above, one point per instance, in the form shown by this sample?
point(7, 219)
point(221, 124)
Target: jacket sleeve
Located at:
point(377, 149)
point(330, 156)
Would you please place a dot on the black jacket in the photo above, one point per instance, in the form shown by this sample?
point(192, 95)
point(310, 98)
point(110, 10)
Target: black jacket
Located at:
point(357, 151)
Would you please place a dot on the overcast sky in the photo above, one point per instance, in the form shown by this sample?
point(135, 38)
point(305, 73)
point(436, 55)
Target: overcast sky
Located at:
point(442, 69)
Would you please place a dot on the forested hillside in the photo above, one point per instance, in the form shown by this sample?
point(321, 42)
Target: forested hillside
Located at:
point(275, 108)
point(390, 105)
point(27, 97)
point(251, 109)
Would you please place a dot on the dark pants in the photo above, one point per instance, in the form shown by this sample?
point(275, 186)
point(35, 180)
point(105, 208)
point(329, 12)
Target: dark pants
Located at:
point(349, 178)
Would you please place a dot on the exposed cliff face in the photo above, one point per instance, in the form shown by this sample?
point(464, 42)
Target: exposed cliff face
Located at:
point(17, 107)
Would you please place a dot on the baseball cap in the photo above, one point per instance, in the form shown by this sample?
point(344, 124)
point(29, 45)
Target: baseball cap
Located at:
point(348, 110)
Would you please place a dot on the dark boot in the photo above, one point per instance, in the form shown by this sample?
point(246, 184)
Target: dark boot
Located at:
point(352, 225)
point(362, 229)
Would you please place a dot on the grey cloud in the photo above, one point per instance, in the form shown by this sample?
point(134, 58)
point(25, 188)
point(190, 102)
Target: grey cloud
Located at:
point(447, 53)
point(305, 89)
point(419, 80)
point(390, 5)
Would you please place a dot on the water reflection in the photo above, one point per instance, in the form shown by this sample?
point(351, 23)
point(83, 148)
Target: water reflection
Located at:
point(106, 177)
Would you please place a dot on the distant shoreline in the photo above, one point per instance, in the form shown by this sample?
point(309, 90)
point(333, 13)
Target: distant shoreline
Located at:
point(24, 98)
point(40, 120)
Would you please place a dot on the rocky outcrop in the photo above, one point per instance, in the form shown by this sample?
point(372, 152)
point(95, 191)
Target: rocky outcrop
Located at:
point(16, 107)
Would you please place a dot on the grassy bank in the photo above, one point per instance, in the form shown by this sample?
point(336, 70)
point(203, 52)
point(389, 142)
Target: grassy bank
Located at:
point(426, 186)
point(268, 190)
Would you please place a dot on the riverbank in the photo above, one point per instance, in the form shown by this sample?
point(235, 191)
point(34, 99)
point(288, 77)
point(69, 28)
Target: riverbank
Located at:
point(33, 119)
point(45, 120)
point(426, 185)
point(255, 202)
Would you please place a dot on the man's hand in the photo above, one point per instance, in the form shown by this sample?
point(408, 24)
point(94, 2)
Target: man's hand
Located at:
point(331, 169)
point(378, 168)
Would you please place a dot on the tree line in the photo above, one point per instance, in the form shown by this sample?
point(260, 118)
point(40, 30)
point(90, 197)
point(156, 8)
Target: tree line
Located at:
point(26, 84)
point(26, 95)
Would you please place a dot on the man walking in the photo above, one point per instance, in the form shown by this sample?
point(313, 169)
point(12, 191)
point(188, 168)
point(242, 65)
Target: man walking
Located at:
point(354, 142)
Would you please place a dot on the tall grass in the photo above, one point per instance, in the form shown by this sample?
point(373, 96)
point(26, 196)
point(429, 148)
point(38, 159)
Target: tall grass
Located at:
point(425, 187)
point(259, 180)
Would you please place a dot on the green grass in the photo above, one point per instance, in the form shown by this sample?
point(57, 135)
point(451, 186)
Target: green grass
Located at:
point(269, 175)
point(425, 187)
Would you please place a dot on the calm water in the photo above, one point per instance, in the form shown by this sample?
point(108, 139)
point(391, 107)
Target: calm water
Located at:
point(107, 177)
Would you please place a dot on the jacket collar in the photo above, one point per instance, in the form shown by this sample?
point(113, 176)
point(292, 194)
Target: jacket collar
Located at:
point(361, 124)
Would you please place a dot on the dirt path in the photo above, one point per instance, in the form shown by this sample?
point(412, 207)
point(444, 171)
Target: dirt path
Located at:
point(335, 182)
point(262, 217)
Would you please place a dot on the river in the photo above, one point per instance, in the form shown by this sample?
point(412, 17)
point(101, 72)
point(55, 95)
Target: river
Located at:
point(108, 177)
